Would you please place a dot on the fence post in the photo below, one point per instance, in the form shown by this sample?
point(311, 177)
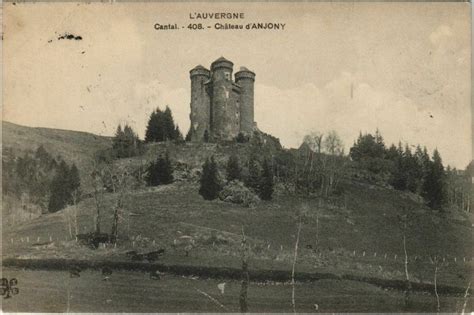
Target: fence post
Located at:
point(363, 253)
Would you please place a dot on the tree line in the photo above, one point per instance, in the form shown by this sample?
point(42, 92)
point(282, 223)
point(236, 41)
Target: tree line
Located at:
point(403, 168)
point(258, 175)
point(47, 181)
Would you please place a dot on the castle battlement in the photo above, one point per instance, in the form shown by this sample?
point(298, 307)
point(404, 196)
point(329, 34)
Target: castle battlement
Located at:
point(221, 106)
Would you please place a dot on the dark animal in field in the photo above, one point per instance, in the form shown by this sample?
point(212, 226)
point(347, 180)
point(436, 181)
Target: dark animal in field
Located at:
point(75, 272)
point(106, 272)
point(137, 257)
point(93, 239)
point(155, 274)
point(131, 253)
point(154, 255)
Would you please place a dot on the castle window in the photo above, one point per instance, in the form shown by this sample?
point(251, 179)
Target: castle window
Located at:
point(227, 75)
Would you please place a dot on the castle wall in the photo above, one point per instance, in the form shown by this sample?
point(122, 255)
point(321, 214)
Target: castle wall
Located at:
point(223, 101)
point(200, 104)
point(245, 79)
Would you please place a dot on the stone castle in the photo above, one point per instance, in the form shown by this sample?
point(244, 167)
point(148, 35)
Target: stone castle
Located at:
point(220, 107)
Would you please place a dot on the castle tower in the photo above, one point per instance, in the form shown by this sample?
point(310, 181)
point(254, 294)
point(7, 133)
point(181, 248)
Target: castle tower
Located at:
point(246, 79)
point(200, 103)
point(225, 115)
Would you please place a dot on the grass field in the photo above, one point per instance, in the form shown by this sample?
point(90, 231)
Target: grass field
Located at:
point(50, 291)
point(368, 226)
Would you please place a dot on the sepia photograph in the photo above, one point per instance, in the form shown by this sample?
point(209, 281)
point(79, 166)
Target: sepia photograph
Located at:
point(237, 157)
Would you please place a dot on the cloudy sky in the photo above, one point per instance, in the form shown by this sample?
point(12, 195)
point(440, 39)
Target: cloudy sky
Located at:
point(401, 67)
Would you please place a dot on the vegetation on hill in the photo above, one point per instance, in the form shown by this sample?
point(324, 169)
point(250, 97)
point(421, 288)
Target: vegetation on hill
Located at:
point(159, 172)
point(161, 127)
point(41, 179)
point(126, 142)
point(210, 184)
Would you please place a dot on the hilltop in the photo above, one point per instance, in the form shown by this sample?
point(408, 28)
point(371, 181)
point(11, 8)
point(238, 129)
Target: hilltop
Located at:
point(73, 146)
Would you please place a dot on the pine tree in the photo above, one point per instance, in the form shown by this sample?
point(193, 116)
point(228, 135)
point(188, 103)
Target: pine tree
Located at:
point(178, 136)
point(233, 168)
point(265, 190)
point(434, 187)
point(154, 130)
point(159, 172)
point(188, 135)
point(168, 125)
point(210, 184)
point(60, 188)
point(74, 180)
point(126, 142)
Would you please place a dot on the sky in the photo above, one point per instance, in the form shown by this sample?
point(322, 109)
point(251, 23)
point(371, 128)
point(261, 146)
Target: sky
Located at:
point(403, 68)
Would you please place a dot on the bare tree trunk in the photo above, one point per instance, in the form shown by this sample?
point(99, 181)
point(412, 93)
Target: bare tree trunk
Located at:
point(407, 281)
point(293, 302)
point(436, 288)
point(114, 233)
point(466, 296)
point(98, 206)
point(245, 276)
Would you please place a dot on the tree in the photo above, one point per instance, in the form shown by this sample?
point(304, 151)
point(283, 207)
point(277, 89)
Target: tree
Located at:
point(168, 125)
point(126, 142)
point(233, 168)
point(210, 184)
point(178, 136)
point(252, 180)
point(189, 135)
point(160, 172)
point(333, 144)
point(265, 189)
point(160, 126)
point(64, 183)
point(434, 186)
point(368, 146)
point(314, 141)
point(153, 128)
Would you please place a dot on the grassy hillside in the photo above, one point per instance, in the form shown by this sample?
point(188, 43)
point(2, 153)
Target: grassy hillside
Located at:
point(357, 232)
point(74, 146)
point(155, 217)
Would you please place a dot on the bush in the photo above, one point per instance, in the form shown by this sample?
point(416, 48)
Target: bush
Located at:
point(233, 168)
point(241, 138)
point(236, 192)
point(210, 184)
point(160, 172)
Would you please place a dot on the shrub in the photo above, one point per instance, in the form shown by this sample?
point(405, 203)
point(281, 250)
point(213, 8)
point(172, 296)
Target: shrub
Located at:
point(233, 168)
point(160, 172)
point(236, 192)
point(210, 184)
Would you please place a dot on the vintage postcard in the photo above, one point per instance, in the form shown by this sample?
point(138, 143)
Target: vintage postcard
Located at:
point(293, 157)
